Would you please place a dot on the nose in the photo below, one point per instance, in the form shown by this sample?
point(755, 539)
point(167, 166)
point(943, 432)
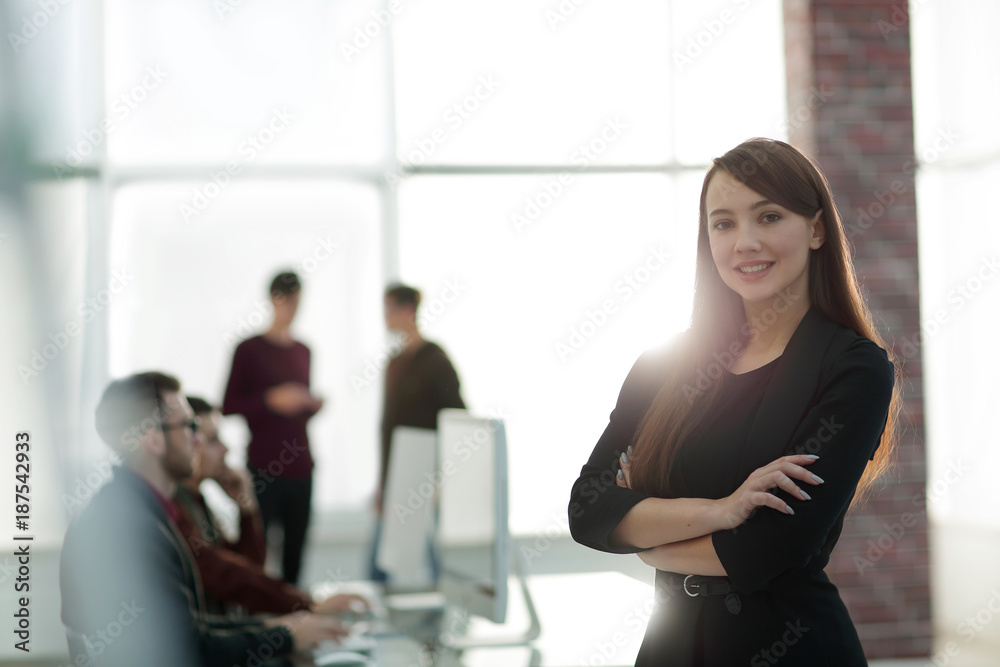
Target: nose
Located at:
point(747, 238)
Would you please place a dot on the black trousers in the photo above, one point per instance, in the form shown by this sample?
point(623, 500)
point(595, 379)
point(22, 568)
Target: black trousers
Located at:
point(287, 503)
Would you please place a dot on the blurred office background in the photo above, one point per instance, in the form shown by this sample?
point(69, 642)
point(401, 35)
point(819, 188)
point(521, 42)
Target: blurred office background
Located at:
point(533, 167)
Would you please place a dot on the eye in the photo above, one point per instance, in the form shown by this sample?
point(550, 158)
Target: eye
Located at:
point(721, 224)
point(771, 217)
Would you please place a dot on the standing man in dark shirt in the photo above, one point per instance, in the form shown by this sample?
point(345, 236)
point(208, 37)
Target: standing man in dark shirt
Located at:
point(269, 386)
point(419, 382)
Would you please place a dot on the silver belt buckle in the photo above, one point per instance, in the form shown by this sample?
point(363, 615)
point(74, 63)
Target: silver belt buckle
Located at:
point(694, 595)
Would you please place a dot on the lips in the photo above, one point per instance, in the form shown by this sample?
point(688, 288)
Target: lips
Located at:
point(750, 271)
point(753, 268)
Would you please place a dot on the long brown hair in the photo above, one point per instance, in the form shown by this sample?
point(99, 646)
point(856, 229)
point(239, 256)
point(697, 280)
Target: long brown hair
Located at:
point(781, 174)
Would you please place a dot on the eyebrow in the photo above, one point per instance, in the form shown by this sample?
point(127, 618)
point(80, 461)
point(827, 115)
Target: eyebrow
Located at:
point(753, 207)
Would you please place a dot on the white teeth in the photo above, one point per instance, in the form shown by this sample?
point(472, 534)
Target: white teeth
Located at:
point(754, 269)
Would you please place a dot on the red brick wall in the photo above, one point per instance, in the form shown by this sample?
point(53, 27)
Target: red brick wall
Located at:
point(850, 106)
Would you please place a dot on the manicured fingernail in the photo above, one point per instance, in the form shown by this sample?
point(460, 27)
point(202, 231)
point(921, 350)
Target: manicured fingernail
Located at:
point(805, 495)
point(621, 476)
point(818, 478)
point(789, 509)
point(629, 450)
point(624, 458)
point(812, 456)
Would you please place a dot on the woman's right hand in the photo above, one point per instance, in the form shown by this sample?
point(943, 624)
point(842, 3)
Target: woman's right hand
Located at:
point(754, 492)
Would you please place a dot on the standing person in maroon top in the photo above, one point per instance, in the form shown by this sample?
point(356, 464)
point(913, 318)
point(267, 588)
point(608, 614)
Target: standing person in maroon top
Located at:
point(419, 382)
point(269, 386)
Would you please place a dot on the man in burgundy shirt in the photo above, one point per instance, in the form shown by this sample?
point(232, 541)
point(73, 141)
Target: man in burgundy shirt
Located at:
point(233, 572)
point(269, 386)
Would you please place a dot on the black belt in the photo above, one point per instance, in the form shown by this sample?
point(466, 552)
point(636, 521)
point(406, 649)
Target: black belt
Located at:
point(696, 585)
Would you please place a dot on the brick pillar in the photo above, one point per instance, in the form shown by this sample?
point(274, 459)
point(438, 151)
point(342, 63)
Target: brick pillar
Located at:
point(850, 107)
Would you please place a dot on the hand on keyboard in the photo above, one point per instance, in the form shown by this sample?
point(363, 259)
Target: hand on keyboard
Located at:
point(342, 604)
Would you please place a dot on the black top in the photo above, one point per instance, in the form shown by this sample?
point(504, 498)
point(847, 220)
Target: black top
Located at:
point(738, 403)
point(828, 394)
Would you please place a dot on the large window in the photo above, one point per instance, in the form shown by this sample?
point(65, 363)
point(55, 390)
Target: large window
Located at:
point(957, 142)
point(194, 291)
point(533, 167)
point(552, 158)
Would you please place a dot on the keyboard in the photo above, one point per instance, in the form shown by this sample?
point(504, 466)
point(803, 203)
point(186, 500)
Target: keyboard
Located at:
point(357, 643)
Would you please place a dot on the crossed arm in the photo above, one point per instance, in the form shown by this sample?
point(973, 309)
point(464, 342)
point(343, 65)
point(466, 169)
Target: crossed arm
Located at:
point(696, 536)
point(662, 526)
point(695, 556)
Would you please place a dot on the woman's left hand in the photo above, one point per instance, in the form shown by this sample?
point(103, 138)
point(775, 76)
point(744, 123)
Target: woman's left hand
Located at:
point(624, 479)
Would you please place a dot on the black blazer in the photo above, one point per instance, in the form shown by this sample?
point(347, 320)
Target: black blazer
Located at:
point(129, 586)
point(829, 395)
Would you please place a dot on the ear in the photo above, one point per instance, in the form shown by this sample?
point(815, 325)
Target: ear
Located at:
point(818, 227)
point(153, 442)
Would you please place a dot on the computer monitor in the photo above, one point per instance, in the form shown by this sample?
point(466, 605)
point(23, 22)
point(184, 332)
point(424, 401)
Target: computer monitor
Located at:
point(408, 517)
point(473, 539)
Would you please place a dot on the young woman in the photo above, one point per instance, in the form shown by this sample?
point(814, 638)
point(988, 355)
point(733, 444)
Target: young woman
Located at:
point(733, 455)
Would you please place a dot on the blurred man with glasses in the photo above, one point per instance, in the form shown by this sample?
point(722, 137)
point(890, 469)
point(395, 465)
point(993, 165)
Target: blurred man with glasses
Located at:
point(131, 594)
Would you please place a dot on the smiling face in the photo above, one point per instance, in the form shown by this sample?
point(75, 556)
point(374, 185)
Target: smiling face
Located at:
point(760, 248)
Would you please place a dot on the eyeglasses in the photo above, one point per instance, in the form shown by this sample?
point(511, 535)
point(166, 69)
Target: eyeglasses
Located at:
point(193, 425)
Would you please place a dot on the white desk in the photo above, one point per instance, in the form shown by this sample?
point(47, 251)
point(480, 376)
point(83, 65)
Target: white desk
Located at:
point(587, 619)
